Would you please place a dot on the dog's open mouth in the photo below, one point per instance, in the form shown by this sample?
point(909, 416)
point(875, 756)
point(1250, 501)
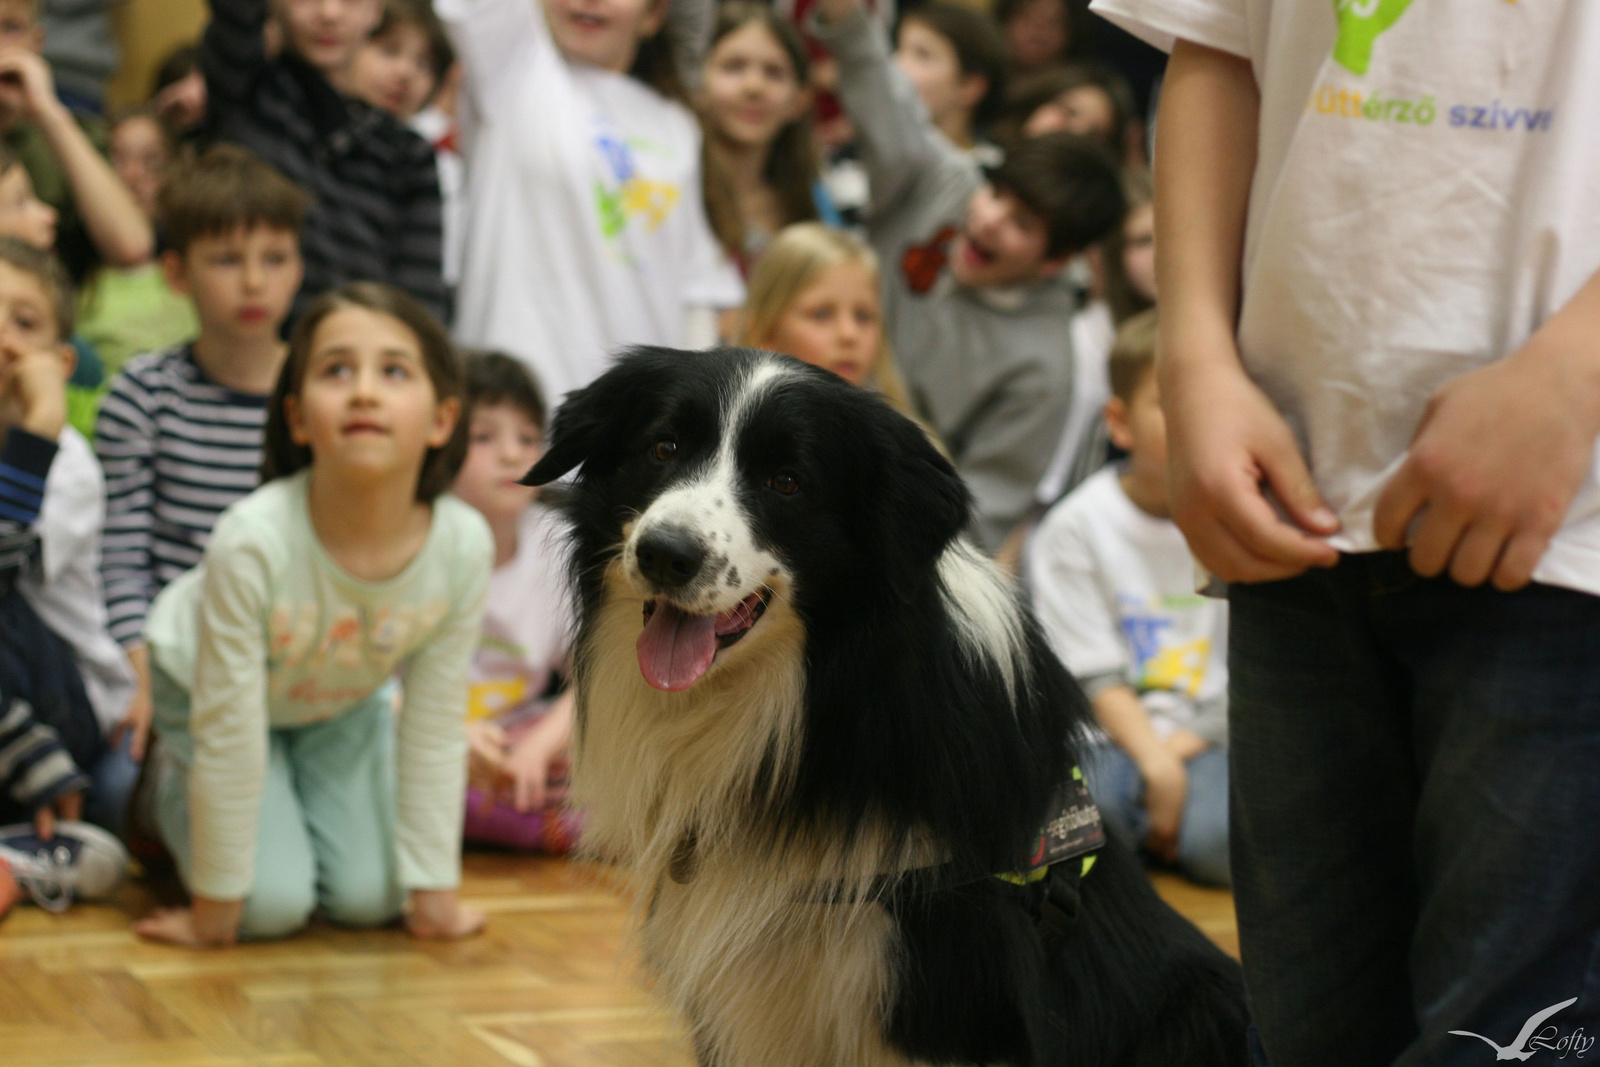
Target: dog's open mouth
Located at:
point(676, 648)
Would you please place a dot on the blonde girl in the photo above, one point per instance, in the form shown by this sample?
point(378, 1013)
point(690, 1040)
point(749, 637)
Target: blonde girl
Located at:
point(755, 108)
point(814, 296)
point(281, 783)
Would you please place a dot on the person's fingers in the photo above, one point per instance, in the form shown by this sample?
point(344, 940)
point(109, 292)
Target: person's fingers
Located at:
point(1517, 562)
point(1224, 556)
point(1402, 498)
point(1434, 538)
point(141, 737)
point(44, 823)
point(70, 806)
point(1286, 472)
point(1478, 552)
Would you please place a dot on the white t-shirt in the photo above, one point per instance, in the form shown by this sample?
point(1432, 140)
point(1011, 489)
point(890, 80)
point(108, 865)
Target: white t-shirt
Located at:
point(527, 621)
point(1426, 194)
point(1114, 590)
point(584, 228)
point(1082, 444)
point(66, 592)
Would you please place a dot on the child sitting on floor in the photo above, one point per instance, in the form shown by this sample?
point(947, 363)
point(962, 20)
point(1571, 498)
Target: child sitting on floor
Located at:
point(518, 734)
point(1113, 582)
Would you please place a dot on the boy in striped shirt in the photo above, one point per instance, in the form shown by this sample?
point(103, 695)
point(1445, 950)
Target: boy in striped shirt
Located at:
point(180, 434)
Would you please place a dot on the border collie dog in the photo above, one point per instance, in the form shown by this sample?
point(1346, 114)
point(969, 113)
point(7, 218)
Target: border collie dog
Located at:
point(835, 752)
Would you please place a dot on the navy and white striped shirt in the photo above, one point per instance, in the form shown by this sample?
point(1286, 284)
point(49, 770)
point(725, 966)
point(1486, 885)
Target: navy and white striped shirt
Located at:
point(177, 449)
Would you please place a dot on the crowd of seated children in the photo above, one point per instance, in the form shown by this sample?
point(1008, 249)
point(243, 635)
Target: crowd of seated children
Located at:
point(1114, 585)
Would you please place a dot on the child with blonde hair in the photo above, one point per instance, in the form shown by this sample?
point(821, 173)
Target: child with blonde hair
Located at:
point(814, 296)
point(281, 781)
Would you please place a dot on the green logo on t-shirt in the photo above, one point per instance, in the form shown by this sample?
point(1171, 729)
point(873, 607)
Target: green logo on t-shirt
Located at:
point(1361, 23)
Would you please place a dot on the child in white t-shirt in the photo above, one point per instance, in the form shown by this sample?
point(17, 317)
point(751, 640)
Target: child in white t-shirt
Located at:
point(519, 734)
point(585, 227)
point(1113, 583)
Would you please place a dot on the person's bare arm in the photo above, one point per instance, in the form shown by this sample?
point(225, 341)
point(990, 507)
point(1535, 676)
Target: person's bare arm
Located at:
point(116, 226)
point(1499, 454)
point(1121, 714)
point(1228, 443)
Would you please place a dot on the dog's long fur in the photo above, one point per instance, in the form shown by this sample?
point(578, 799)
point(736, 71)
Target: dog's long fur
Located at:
point(894, 712)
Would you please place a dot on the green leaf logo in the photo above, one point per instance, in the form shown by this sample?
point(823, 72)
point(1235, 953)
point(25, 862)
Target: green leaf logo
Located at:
point(1361, 23)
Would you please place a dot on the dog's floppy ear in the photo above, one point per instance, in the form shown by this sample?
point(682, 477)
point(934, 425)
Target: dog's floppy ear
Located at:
point(590, 419)
point(920, 506)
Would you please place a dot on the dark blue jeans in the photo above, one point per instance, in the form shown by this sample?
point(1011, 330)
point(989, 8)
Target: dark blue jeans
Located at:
point(1415, 815)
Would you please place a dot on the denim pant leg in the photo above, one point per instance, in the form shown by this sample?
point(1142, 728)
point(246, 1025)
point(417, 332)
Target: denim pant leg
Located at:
point(1118, 791)
point(1203, 833)
point(1506, 723)
point(1322, 794)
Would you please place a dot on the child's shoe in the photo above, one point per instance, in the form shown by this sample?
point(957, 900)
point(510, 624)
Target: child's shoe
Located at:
point(81, 862)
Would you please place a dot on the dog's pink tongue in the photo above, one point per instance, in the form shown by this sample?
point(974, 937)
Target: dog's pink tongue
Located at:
point(676, 649)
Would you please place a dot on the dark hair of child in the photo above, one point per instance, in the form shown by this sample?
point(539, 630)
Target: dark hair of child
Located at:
point(419, 13)
point(979, 48)
point(792, 167)
point(281, 456)
point(224, 189)
point(494, 378)
point(43, 266)
point(176, 67)
point(1071, 182)
point(1033, 91)
point(1133, 355)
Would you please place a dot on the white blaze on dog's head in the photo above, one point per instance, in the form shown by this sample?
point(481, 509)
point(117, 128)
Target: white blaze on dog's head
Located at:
point(694, 557)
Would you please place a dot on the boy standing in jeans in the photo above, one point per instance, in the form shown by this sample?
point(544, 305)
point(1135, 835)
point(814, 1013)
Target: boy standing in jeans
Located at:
point(1379, 234)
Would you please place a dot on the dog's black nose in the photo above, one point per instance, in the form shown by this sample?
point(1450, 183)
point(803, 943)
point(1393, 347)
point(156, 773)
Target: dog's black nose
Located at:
point(670, 556)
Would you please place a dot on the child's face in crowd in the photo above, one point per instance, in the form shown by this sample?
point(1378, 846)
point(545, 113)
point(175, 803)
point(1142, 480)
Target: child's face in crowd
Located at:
point(751, 90)
point(140, 156)
point(394, 71)
point(183, 103)
point(1140, 429)
point(1003, 243)
point(366, 405)
point(27, 331)
point(835, 323)
point(242, 282)
point(1139, 250)
point(19, 26)
point(603, 33)
point(1038, 33)
point(22, 214)
point(326, 33)
point(503, 443)
point(1085, 110)
point(929, 60)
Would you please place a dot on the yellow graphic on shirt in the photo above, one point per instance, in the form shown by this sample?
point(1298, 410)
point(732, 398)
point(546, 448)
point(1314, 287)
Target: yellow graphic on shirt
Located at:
point(633, 195)
point(1178, 668)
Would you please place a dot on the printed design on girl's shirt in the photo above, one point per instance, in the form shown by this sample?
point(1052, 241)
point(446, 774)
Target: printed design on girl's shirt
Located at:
point(301, 638)
point(629, 195)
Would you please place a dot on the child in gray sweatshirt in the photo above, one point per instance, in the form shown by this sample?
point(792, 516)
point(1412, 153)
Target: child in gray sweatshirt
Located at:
point(974, 298)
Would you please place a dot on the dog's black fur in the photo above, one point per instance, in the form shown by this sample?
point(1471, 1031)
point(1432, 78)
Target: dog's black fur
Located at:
point(903, 725)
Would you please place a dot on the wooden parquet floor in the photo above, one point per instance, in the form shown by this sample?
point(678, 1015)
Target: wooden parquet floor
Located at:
point(550, 984)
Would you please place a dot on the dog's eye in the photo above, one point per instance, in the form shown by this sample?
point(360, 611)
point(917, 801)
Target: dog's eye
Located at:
point(784, 483)
point(664, 450)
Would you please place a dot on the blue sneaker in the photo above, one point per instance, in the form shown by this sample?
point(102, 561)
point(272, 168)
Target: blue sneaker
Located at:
point(81, 862)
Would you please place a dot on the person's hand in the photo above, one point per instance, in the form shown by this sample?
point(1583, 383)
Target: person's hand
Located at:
point(1166, 787)
point(135, 724)
point(69, 806)
point(1226, 445)
point(205, 923)
point(1185, 745)
point(439, 915)
point(536, 757)
point(33, 389)
point(486, 755)
point(27, 87)
point(1495, 461)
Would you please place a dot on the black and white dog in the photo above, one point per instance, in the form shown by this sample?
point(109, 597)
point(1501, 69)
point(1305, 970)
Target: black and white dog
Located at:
point(818, 727)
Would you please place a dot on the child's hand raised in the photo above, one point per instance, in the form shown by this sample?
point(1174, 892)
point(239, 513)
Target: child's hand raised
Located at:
point(27, 87)
point(33, 389)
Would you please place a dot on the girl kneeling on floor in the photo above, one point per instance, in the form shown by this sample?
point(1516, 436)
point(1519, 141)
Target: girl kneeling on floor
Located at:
point(282, 784)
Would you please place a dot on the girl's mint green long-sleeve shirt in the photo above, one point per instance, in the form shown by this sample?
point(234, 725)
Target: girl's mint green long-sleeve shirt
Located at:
point(270, 633)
